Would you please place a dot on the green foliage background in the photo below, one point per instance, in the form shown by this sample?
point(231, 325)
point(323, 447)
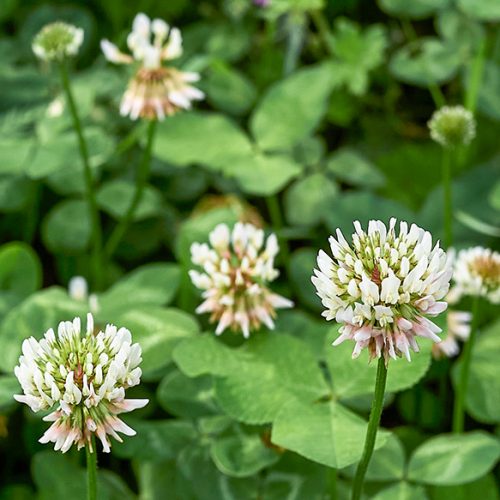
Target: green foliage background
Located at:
point(315, 116)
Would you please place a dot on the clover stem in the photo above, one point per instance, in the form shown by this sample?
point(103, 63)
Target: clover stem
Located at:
point(96, 233)
point(447, 198)
point(142, 179)
point(91, 454)
point(371, 432)
point(461, 388)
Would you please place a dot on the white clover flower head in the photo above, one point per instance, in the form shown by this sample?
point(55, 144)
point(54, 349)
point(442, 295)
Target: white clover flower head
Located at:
point(237, 267)
point(477, 273)
point(458, 327)
point(156, 91)
point(83, 380)
point(383, 286)
point(452, 126)
point(56, 41)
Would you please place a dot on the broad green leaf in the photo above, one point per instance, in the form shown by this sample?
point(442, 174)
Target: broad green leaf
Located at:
point(242, 455)
point(115, 198)
point(158, 331)
point(204, 354)
point(485, 488)
point(483, 377)
point(280, 368)
point(355, 377)
point(229, 90)
point(20, 269)
point(66, 228)
point(417, 9)
point(351, 167)
point(483, 10)
point(490, 81)
point(151, 284)
point(187, 397)
point(14, 192)
point(33, 317)
point(327, 432)
point(454, 459)
point(208, 139)
point(300, 101)
point(156, 440)
point(401, 491)
point(15, 154)
point(426, 61)
point(50, 467)
point(308, 198)
point(263, 175)
point(386, 464)
point(9, 386)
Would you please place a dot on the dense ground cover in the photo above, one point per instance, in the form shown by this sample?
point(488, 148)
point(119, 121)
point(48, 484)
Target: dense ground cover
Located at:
point(295, 116)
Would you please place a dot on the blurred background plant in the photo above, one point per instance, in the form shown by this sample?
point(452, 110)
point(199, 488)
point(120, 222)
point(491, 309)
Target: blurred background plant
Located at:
point(315, 115)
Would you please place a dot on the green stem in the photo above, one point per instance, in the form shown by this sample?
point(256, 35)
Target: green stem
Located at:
point(91, 471)
point(474, 81)
point(295, 36)
point(96, 234)
point(273, 207)
point(447, 199)
point(461, 389)
point(142, 179)
point(323, 29)
point(333, 484)
point(371, 432)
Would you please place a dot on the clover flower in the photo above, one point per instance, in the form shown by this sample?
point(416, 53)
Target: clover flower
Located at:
point(78, 289)
point(459, 327)
point(237, 268)
point(452, 126)
point(383, 287)
point(477, 273)
point(83, 380)
point(155, 90)
point(56, 41)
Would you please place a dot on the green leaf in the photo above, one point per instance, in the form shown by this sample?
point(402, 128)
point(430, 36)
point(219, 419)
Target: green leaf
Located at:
point(454, 459)
point(33, 317)
point(229, 90)
point(495, 196)
point(20, 269)
point(242, 455)
point(386, 464)
point(300, 101)
point(158, 331)
point(483, 10)
point(263, 175)
point(355, 377)
point(115, 198)
point(483, 377)
point(280, 368)
point(327, 433)
point(151, 284)
point(202, 138)
point(309, 198)
point(490, 81)
point(417, 9)
point(15, 154)
point(9, 386)
point(401, 491)
point(485, 488)
point(156, 440)
point(425, 62)
point(187, 397)
point(14, 193)
point(66, 228)
point(351, 167)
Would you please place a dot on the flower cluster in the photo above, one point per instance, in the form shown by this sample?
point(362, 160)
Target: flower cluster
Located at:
point(56, 41)
point(382, 288)
point(237, 268)
point(83, 379)
point(458, 328)
point(477, 273)
point(155, 91)
point(452, 126)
